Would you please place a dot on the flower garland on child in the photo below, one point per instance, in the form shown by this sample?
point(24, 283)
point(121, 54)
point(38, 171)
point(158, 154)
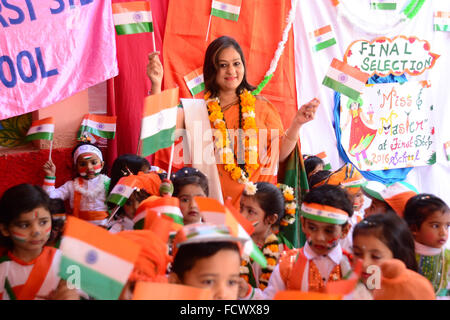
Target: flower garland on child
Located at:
point(271, 251)
point(290, 205)
point(222, 141)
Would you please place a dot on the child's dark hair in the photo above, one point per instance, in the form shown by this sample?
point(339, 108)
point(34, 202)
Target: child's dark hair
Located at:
point(393, 231)
point(186, 176)
point(20, 199)
point(311, 163)
point(270, 199)
point(119, 168)
point(333, 196)
point(317, 177)
point(188, 254)
point(421, 206)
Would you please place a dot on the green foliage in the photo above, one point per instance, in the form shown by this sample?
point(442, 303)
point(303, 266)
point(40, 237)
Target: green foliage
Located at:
point(13, 130)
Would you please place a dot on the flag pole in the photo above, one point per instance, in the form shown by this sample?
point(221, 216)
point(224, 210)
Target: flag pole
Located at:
point(50, 152)
point(209, 25)
point(115, 210)
point(170, 161)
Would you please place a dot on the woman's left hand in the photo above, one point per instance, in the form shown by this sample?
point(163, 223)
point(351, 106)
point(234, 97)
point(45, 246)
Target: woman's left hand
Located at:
point(307, 112)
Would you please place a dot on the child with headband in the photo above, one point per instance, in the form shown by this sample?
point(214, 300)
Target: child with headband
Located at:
point(88, 191)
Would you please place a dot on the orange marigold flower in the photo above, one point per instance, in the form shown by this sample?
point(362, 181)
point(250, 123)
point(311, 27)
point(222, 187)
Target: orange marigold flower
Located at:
point(288, 197)
point(265, 276)
point(271, 261)
point(236, 173)
point(290, 211)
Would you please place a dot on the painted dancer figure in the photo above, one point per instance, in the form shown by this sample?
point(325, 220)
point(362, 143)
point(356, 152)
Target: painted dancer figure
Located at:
point(361, 136)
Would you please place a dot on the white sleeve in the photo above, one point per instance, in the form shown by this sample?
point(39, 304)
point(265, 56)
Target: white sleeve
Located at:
point(62, 192)
point(276, 284)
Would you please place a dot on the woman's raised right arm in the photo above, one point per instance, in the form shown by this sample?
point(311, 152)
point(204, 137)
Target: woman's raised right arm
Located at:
point(155, 73)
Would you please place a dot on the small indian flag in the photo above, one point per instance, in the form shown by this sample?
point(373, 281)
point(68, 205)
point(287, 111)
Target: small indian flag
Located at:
point(167, 206)
point(194, 81)
point(447, 150)
point(103, 261)
point(159, 121)
point(323, 155)
point(132, 17)
point(348, 80)
point(41, 130)
point(322, 38)
point(442, 21)
point(102, 126)
point(383, 5)
point(216, 213)
point(122, 191)
point(227, 9)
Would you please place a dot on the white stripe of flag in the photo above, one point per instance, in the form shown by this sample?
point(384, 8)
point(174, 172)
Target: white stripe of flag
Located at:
point(132, 17)
point(157, 122)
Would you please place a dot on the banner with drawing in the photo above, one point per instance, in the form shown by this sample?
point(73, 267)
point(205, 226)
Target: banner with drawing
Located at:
point(389, 126)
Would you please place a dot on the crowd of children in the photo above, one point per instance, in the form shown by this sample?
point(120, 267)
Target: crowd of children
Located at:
point(394, 249)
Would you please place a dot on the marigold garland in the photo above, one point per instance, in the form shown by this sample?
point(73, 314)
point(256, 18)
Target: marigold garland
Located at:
point(271, 251)
point(222, 141)
point(290, 204)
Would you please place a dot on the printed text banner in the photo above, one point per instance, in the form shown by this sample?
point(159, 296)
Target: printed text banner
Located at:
point(50, 51)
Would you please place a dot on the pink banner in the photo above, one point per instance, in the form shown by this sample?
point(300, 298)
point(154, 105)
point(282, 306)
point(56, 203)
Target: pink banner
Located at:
point(52, 49)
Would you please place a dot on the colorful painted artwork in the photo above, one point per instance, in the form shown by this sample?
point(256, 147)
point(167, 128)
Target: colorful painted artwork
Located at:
point(389, 126)
point(13, 130)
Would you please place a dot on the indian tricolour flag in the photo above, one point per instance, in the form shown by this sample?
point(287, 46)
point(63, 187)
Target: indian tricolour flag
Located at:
point(158, 121)
point(227, 9)
point(214, 212)
point(102, 126)
point(167, 206)
point(132, 17)
point(102, 261)
point(323, 155)
point(122, 191)
point(442, 21)
point(323, 38)
point(194, 81)
point(383, 5)
point(447, 150)
point(41, 130)
point(348, 80)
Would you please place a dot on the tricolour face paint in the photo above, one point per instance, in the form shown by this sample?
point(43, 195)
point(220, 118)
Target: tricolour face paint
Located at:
point(332, 243)
point(18, 236)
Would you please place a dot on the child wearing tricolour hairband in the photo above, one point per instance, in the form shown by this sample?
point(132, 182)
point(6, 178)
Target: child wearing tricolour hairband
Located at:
point(326, 211)
point(87, 192)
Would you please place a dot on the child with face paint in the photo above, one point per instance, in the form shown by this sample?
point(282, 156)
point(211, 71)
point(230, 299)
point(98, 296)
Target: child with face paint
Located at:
point(264, 208)
point(326, 211)
point(29, 269)
point(86, 193)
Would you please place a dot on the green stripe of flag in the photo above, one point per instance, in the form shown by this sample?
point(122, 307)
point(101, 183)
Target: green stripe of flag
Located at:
point(100, 133)
point(258, 256)
point(163, 139)
point(198, 88)
point(322, 218)
point(224, 14)
point(117, 199)
point(438, 27)
point(133, 28)
point(342, 88)
point(327, 166)
point(92, 282)
point(384, 6)
point(175, 218)
point(325, 44)
point(40, 136)
point(139, 225)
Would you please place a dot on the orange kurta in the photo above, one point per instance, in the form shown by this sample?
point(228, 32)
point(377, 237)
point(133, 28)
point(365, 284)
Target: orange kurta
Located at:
point(267, 117)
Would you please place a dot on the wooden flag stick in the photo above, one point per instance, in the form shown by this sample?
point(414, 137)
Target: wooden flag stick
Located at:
point(209, 25)
point(115, 210)
point(50, 152)
point(170, 161)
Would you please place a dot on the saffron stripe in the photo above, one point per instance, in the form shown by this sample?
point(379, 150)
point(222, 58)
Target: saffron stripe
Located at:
point(131, 6)
point(349, 70)
point(322, 30)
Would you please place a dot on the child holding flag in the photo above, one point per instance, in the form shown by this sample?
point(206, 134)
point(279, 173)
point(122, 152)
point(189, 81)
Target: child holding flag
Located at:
point(29, 269)
point(87, 192)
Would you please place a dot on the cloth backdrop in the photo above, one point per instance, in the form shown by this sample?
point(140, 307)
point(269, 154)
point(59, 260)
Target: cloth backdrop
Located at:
point(126, 92)
point(353, 20)
point(258, 31)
